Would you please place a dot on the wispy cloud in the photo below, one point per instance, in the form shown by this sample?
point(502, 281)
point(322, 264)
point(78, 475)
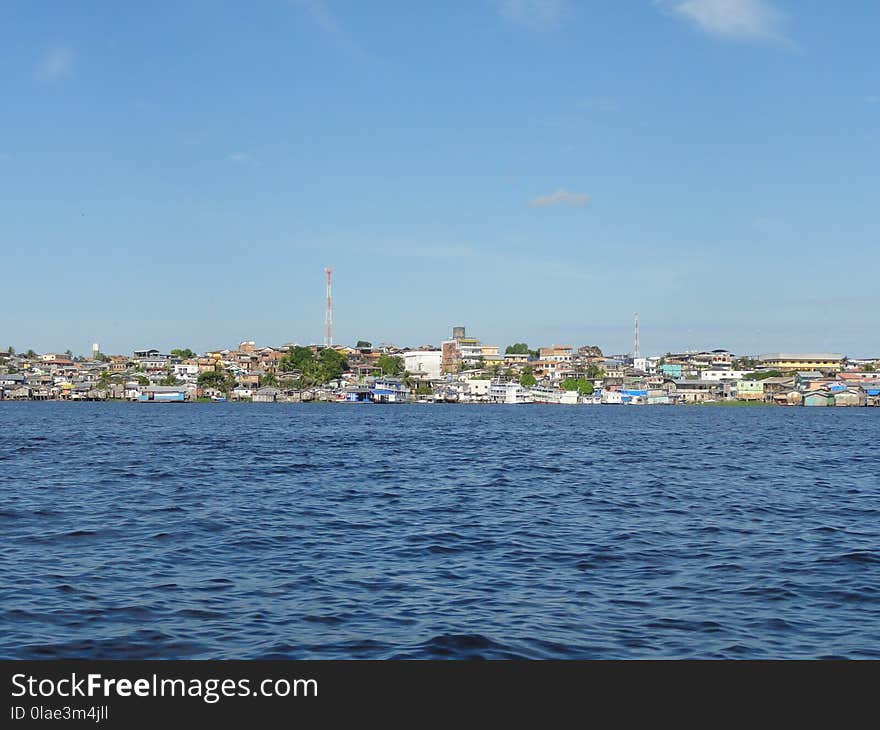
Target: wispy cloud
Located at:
point(242, 158)
point(535, 13)
point(561, 197)
point(56, 63)
point(755, 20)
point(320, 14)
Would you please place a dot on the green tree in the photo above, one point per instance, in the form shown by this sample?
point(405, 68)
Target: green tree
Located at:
point(11, 351)
point(581, 385)
point(30, 354)
point(69, 353)
point(517, 348)
point(170, 379)
point(763, 375)
point(363, 344)
point(390, 365)
point(331, 364)
point(870, 368)
point(104, 380)
point(268, 380)
point(527, 377)
point(217, 379)
point(142, 380)
point(299, 358)
point(744, 363)
point(183, 353)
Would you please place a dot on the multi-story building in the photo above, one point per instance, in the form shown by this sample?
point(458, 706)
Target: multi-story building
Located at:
point(559, 353)
point(723, 374)
point(788, 361)
point(450, 356)
point(424, 363)
point(516, 358)
point(467, 350)
point(491, 355)
point(509, 393)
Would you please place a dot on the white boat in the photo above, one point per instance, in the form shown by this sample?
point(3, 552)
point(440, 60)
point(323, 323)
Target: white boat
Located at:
point(509, 393)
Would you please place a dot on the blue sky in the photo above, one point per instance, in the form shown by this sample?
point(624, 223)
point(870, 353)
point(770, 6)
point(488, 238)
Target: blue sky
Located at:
point(179, 174)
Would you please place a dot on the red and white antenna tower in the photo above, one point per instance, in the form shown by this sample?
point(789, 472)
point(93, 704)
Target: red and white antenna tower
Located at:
point(328, 316)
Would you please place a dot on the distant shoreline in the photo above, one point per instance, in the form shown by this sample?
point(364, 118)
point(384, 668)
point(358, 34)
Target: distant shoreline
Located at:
point(720, 404)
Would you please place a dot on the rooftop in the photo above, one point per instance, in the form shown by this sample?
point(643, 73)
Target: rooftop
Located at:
point(802, 356)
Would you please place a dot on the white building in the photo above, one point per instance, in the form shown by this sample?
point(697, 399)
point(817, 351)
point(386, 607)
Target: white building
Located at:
point(509, 393)
point(425, 363)
point(613, 397)
point(717, 375)
point(547, 394)
point(475, 388)
point(187, 372)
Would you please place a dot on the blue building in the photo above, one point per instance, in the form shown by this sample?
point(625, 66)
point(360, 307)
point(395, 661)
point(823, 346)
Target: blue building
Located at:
point(634, 396)
point(357, 394)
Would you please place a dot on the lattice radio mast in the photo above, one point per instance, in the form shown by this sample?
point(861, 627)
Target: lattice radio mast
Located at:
point(636, 338)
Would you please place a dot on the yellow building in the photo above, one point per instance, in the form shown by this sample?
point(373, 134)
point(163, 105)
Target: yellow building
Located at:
point(787, 361)
point(492, 355)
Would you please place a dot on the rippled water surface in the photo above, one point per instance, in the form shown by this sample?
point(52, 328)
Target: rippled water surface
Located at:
point(362, 531)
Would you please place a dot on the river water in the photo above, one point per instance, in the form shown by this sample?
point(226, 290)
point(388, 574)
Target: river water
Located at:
point(438, 531)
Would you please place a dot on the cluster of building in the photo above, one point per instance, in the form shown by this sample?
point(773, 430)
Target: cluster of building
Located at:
point(460, 370)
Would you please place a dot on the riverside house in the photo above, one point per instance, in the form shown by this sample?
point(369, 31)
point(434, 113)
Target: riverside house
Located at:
point(818, 398)
point(750, 390)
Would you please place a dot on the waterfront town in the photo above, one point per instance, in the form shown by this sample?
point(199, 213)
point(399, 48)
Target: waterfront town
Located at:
point(461, 369)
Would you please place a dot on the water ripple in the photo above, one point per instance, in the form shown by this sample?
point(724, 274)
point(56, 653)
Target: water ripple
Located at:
point(310, 531)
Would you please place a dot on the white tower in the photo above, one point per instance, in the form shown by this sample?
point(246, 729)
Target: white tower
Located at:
point(95, 350)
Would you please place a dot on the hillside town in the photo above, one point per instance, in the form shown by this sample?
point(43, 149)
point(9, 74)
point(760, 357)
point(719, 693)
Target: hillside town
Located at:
point(461, 369)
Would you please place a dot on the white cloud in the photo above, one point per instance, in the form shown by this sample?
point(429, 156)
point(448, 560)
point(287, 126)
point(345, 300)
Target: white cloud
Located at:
point(535, 13)
point(561, 197)
point(55, 64)
point(320, 14)
point(243, 158)
point(738, 19)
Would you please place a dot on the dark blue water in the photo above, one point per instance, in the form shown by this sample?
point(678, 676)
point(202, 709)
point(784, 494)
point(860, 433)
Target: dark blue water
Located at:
point(362, 531)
